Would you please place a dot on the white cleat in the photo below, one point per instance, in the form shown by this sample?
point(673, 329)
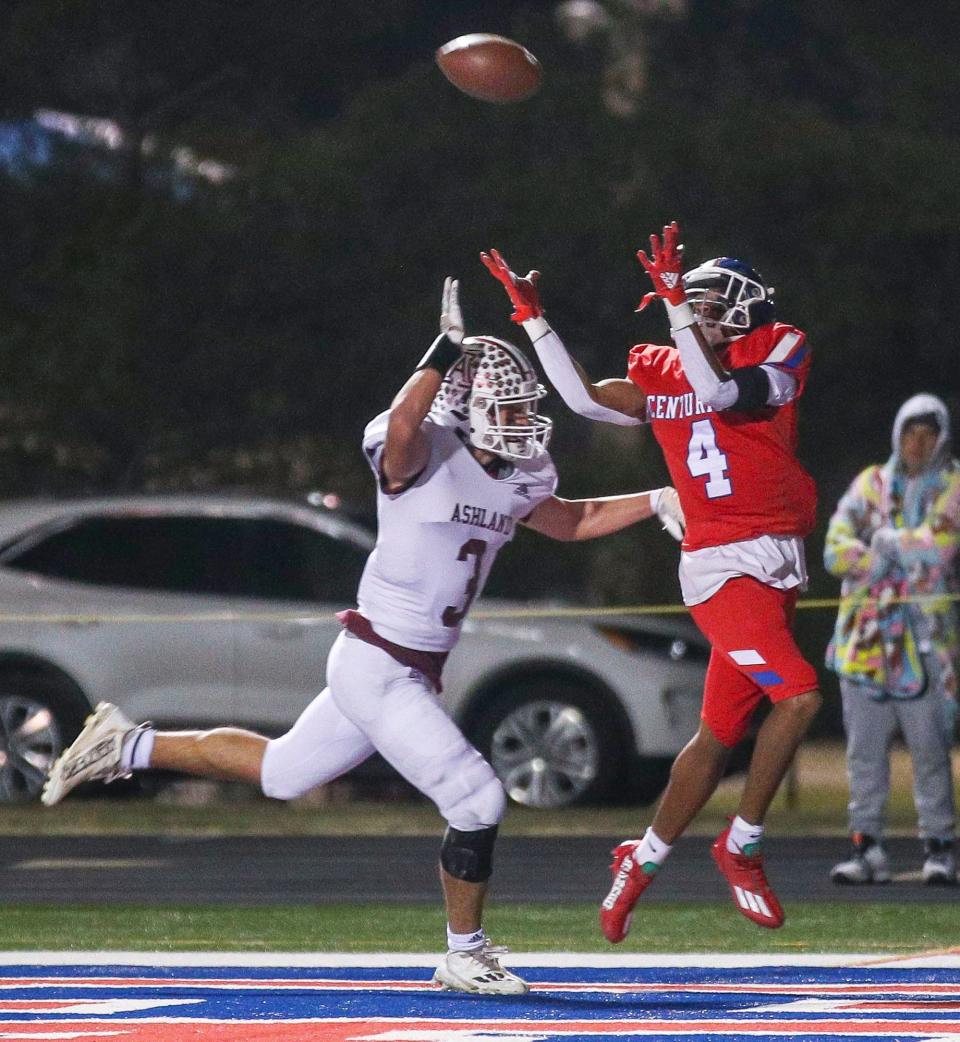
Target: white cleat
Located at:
point(940, 866)
point(94, 755)
point(868, 864)
point(479, 972)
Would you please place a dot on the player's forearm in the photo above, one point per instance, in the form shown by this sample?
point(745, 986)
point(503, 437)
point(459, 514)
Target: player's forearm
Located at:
point(572, 383)
point(751, 387)
point(404, 446)
point(593, 518)
point(710, 381)
point(412, 402)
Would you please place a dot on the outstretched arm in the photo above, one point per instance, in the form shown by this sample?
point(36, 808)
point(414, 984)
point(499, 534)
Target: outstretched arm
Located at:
point(610, 401)
point(750, 387)
point(665, 267)
point(577, 519)
point(405, 448)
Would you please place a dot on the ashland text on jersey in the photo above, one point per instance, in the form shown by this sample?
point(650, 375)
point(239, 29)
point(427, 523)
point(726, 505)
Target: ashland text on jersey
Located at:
point(468, 514)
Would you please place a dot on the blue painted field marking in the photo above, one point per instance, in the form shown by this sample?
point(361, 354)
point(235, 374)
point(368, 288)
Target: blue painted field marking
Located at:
point(323, 999)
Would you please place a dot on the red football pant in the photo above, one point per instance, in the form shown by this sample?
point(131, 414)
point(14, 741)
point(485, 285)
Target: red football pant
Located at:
point(753, 654)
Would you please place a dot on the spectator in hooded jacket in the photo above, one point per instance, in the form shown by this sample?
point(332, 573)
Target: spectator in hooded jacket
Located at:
point(893, 540)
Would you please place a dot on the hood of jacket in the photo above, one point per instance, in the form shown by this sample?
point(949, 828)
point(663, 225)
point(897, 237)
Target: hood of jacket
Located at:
point(923, 405)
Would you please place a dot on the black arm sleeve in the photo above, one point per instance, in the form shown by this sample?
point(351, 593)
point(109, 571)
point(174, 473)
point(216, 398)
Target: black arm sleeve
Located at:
point(753, 386)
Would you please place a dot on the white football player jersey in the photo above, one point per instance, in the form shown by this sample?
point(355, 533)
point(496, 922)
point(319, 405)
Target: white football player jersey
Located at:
point(437, 540)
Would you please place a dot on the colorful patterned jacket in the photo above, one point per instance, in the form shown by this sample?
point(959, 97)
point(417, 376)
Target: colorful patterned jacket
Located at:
point(879, 638)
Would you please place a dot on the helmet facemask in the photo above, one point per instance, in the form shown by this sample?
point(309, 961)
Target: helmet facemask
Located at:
point(728, 297)
point(503, 399)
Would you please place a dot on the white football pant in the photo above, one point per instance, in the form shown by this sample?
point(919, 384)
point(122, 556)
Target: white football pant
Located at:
point(372, 703)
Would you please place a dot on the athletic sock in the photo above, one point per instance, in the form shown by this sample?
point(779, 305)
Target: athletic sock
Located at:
point(651, 851)
point(462, 942)
point(137, 748)
point(744, 838)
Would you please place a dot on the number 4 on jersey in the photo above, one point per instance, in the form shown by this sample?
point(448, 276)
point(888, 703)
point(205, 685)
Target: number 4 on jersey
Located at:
point(703, 457)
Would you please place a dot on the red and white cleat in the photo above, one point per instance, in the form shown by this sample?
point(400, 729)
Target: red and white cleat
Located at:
point(630, 879)
point(748, 884)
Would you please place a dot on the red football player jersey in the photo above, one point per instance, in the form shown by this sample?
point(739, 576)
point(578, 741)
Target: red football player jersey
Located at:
point(736, 472)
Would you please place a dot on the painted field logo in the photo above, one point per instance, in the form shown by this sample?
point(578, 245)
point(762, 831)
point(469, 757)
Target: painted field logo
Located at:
point(379, 1004)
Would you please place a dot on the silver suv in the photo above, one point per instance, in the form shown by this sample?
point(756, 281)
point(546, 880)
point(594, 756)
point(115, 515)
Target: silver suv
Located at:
point(205, 610)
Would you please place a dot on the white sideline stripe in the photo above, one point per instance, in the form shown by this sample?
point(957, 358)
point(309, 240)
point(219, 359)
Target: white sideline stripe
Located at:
point(597, 960)
point(107, 1007)
point(748, 657)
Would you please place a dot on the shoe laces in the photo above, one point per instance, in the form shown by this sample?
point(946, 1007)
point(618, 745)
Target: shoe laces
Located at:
point(488, 954)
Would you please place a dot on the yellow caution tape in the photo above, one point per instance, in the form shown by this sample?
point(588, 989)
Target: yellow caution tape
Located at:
point(534, 612)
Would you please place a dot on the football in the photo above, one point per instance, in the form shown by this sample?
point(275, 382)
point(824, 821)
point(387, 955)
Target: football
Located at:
point(490, 68)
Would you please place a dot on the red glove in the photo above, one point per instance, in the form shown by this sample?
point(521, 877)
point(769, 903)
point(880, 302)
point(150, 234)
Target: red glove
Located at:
point(665, 270)
point(523, 292)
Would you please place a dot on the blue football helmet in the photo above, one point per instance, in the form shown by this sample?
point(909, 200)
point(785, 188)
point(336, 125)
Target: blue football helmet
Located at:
point(744, 299)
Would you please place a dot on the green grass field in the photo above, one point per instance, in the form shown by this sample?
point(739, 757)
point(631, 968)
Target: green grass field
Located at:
point(810, 928)
point(815, 805)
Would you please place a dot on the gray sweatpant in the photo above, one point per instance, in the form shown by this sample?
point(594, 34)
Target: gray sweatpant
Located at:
point(927, 728)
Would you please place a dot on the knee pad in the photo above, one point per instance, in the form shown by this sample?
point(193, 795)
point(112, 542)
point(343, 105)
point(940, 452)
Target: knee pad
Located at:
point(468, 855)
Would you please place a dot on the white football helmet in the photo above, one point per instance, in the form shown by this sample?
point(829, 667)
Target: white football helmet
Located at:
point(451, 406)
point(503, 397)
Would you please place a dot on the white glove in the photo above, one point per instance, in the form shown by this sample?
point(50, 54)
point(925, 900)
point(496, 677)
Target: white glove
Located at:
point(451, 317)
point(666, 503)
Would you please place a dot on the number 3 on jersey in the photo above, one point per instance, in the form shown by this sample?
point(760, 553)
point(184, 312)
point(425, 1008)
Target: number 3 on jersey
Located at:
point(704, 458)
point(475, 548)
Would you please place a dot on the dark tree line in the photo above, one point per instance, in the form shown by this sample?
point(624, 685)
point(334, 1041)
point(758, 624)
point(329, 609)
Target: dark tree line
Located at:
point(162, 331)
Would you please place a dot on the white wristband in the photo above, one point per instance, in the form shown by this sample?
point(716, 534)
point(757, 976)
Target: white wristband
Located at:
point(536, 327)
point(680, 315)
point(655, 494)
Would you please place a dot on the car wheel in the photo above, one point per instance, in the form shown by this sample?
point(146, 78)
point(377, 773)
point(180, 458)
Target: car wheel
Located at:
point(39, 718)
point(551, 742)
